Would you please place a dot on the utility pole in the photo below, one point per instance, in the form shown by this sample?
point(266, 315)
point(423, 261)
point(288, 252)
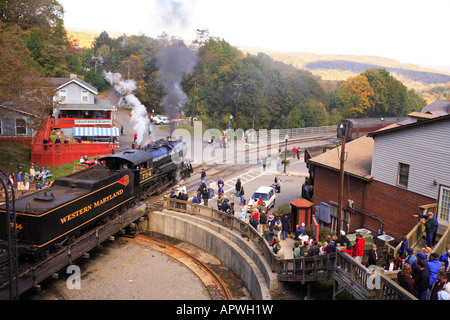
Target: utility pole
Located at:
point(193, 105)
point(341, 185)
point(286, 137)
point(238, 86)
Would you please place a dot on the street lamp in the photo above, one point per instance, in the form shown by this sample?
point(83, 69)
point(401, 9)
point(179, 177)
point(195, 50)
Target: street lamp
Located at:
point(286, 137)
point(238, 86)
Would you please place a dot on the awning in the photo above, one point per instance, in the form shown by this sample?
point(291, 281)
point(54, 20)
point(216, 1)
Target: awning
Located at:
point(95, 132)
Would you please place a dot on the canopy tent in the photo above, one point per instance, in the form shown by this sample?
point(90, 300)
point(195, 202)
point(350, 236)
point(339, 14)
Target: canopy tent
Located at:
point(95, 132)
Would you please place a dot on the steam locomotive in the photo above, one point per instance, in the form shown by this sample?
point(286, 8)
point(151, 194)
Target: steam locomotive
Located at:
point(355, 128)
point(47, 218)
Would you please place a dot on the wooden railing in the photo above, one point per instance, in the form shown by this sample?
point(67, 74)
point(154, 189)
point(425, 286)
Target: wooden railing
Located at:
point(367, 284)
point(341, 266)
point(227, 220)
point(17, 194)
point(417, 233)
point(57, 154)
point(70, 123)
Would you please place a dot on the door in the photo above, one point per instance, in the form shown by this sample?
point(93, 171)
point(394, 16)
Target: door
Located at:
point(444, 205)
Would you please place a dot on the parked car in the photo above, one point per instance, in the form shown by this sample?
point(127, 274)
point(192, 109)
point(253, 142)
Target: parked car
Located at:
point(267, 195)
point(154, 118)
point(162, 120)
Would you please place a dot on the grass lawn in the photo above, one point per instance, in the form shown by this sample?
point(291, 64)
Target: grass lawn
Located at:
point(12, 154)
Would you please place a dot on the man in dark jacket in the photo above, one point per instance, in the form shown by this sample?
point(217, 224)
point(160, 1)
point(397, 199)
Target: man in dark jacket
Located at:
point(285, 227)
point(343, 240)
point(430, 226)
point(314, 251)
point(374, 257)
point(421, 278)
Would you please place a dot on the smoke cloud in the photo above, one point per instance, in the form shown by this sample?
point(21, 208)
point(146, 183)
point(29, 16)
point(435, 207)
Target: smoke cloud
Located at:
point(139, 116)
point(175, 59)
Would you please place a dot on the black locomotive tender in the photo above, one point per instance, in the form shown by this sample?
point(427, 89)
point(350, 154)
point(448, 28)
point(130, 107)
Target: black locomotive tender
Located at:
point(47, 218)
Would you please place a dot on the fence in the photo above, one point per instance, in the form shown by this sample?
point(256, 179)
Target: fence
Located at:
point(57, 154)
point(70, 122)
point(364, 283)
point(292, 133)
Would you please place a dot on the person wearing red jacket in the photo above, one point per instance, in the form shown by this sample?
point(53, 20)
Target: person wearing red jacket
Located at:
point(358, 248)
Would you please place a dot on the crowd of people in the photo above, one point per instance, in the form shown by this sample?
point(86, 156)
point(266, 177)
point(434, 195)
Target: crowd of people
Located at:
point(423, 274)
point(420, 274)
point(29, 180)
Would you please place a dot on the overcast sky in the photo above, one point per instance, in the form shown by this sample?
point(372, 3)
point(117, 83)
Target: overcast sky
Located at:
point(410, 31)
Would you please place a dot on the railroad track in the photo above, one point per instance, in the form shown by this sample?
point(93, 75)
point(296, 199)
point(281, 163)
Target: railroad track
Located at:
point(214, 285)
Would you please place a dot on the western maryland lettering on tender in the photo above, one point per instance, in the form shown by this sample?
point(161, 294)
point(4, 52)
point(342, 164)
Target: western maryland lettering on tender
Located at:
point(90, 206)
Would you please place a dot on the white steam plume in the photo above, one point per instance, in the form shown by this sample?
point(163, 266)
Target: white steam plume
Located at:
point(139, 116)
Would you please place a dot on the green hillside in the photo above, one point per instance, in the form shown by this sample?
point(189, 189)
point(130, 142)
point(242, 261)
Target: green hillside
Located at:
point(336, 67)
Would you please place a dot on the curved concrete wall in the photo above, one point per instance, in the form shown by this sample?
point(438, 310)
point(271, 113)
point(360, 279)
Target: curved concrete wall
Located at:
point(227, 245)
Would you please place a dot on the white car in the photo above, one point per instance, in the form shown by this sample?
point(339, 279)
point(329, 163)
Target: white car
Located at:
point(161, 120)
point(267, 195)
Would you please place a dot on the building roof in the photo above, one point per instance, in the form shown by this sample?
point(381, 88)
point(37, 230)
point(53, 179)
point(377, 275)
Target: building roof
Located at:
point(62, 82)
point(437, 107)
point(98, 104)
point(358, 161)
point(410, 125)
point(421, 115)
point(301, 203)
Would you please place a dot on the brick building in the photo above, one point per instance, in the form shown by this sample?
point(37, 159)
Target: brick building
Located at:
point(388, 176)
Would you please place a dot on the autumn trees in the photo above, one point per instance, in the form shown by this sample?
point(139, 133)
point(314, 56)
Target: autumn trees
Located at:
point(34, 44)
point(376, 93)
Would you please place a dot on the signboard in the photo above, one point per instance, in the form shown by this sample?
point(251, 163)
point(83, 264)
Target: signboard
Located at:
point(93, 121)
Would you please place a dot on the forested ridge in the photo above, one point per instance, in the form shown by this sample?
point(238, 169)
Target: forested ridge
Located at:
point(267, 93)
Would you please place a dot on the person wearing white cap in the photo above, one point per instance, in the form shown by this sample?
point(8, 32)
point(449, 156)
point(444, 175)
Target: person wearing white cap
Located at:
point(343, 240)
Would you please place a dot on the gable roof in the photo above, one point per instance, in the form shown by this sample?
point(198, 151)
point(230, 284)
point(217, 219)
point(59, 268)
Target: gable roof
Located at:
point(437, 107)
point(62, 82)
point(359, 158)
point(14, 108)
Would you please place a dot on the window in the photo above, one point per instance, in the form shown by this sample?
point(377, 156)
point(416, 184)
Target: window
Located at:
point(403, 175)
point(84, 96)
point(444, 204)
point(21, 126)
point(62, 95)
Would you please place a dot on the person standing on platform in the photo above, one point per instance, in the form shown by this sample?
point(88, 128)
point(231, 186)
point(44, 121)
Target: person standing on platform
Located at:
point(203, 175)
point(358, 248)
point(430, 227)
point(32, 173)
point(421, 278)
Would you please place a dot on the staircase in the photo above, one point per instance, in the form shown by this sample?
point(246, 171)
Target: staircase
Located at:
point(422, 243)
